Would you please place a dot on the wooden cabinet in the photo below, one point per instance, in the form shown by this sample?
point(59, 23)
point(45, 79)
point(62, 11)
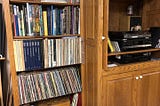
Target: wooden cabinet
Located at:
point(139, 88)
point(121, 85)
point(148, 88)
point(118, 90)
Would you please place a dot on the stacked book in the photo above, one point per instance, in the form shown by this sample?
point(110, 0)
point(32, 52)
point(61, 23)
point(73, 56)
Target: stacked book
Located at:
point(44, 85)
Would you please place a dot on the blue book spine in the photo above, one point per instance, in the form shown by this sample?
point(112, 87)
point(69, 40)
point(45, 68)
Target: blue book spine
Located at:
point(16, 20)
point(33, 55)
point(16, 25)
point(36, 54)
point(49, 19)
point(41, 21)
point(61, 21)
point(39, 54)
point(30, 64)
point(72, 21)
point(53, 22)
point(57, 21)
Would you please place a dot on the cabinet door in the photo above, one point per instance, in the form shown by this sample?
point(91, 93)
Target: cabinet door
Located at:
point(148, 90)
point(118, 90)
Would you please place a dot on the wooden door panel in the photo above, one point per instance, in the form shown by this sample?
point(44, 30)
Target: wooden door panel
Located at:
point(118, 90)
point(148, 91)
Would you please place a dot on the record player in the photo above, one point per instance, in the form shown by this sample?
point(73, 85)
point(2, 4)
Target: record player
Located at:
point(132, 41)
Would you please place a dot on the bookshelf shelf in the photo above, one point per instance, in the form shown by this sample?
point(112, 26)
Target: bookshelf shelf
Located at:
point(44, 3)
point(47, 69)
point(43, 37)
point(48, 99)
point(133, 52)
point(57, 100)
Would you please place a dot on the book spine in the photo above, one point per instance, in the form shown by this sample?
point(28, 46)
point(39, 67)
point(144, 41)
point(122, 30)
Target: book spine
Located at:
point(45, 23)
point(41, 21)
point(22, 23)
point(25, 50)
point(49, 19)
point(54, 84)
point(110, 45)
point(19, 21)
point(45, 48)
point(16, 20)
point(28, 19)
point(54, 21)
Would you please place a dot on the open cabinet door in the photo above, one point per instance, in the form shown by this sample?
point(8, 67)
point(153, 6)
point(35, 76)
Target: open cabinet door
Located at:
point(93, 27)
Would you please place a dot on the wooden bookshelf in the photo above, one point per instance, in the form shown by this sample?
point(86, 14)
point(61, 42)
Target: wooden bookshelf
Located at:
point(11, 39)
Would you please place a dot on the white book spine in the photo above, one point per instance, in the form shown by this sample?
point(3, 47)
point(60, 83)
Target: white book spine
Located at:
point(28, 19)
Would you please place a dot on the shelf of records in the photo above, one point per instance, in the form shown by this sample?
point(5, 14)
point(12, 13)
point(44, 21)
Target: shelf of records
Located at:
point(34, 87)
point(44, 20)
point(48, 53)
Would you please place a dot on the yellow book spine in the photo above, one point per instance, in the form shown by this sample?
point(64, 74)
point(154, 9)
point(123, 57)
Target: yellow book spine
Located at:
point(110, 45)
point(45, 23)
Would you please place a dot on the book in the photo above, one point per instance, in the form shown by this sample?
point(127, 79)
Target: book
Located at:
point(116, 46)
point(75, 100)
point(29, 19)
point(45, 23)
point(110, 45)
